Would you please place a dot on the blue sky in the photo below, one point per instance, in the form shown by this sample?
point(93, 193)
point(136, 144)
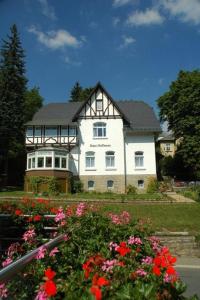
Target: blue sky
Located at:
point(134, 47)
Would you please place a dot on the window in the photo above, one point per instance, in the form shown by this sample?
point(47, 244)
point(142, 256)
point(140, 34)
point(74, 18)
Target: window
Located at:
point(40, 162)
point(38, 131)
point(29, 131)
point(29, 163)
point(66, 132)
point(140, 184)
point(99, 130)
point(33, 162)
point(110, 159)
point(63, 163)
point(110, 184)
point(72, 131)
point(90, 185)
point(139, 159)
point(167, 147)
point(57, 162)
point(48, 162)
point(50, 131)
point(90, 159)
point(99, 104)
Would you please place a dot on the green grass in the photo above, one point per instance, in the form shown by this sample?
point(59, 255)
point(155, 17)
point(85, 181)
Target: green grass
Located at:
point(91, 196)
point(173, 217)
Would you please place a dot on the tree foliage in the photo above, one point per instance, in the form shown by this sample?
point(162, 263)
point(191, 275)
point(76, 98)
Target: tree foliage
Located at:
point(33, 102)
point(180, 107)
point(79, 94)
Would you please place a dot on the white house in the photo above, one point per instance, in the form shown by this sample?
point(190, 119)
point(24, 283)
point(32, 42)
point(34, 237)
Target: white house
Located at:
point(107, 144)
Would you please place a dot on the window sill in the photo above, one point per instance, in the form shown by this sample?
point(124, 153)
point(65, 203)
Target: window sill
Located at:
point(140, 169)
point(90, 169)
point(100, 138)
point(111, 169)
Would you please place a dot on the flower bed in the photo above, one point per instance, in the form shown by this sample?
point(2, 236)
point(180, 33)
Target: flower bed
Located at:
point(102, 257)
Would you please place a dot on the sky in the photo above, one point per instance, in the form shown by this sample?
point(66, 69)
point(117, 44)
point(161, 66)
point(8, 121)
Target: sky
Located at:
point(135, 48)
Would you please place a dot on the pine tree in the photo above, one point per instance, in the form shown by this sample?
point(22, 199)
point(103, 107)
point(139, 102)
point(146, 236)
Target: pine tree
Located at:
point(12, 93)
point(76, 93)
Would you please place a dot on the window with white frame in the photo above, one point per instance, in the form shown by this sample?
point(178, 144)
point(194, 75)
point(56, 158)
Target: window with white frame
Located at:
point(40, 162)
point(140, 184)
point(99, 130)
point(139, 159)
point(90, 159)
point(110, 159)
point(99, 104)
point(90, 185)
point(167, 147)
point(48, 162)
point(110, 184)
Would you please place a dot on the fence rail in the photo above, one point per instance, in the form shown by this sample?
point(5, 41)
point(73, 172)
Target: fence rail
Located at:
point(11, 270)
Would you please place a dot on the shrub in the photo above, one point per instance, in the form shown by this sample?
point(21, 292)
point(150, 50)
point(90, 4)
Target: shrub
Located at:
point(77, 186)
point(152, 186)
point(131, 189)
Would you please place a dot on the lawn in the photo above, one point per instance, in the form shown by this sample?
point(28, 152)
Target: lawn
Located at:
point(173, 217)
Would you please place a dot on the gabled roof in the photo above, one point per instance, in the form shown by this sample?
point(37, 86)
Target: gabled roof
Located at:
point(96, 88)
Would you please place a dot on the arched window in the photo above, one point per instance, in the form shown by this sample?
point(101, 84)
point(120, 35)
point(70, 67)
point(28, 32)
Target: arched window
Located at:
point(90, 159)
point(99, 130)
point(110, 184)
point(139, 159)
point(110, 159)
point(90, 185)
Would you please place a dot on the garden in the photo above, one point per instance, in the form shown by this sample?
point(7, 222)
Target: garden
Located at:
point(103, 255)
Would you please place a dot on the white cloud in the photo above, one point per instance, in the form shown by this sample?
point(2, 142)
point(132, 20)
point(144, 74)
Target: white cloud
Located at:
point(115, 21)
point(127, 40)
point(160, 81)
point(47, 9)
point(148, 17)
point(71, 62)
point(185, 10)
point(56, 39)
point(118, 3)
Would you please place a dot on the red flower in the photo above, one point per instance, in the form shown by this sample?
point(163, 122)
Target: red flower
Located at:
point(96, 291)
point(30, 219)
point(102, 281)
point(123, 249)
point(50, 288)
point(18, 212)
point(50, 274)
point(170, 271)
point(156, 271)
point(37, 218)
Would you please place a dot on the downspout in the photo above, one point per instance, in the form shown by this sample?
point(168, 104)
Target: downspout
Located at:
point(125, 175)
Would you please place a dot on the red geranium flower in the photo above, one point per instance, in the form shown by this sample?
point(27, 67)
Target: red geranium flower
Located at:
point(18, 212)
point(123, 249)
point(170, 271)
point(37, 218)
point(96, 291)
point(156, 271)
point(50, 288)
point(50, 274)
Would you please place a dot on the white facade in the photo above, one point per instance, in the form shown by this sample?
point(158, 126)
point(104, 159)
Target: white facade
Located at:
point(106, 153)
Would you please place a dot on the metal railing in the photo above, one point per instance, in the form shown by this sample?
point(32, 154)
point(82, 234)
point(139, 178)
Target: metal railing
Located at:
point(11, 270)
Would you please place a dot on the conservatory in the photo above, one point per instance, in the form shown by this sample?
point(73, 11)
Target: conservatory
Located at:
point(46, 163)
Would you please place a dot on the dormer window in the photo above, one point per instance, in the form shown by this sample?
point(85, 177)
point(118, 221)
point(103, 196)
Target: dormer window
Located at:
point(99, 130)
point(99, 104)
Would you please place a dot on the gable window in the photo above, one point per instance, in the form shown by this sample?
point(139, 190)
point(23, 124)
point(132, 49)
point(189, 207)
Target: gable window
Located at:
point(99, 104)
point(50, 131)
point(90, 159)
point(139, 159)
point(167, 147)
point(140, 184)
point(110, 184)
point(90, 185)
point(110, 159)
point(99, 130)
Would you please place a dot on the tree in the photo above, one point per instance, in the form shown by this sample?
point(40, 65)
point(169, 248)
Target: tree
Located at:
point(33, 102)
point(79, 94)
point(12, 95)
point(180, 107)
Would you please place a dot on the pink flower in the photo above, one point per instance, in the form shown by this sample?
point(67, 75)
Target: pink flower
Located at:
point(7, 262)
point(3, 291)
point(41, 295)
point(13, 248)
point(54, 251)
point(29, 235)
point(123, 218)
point(60, 215)
point(80, 209)
point(155, 243)
point(148, 260)
point(113, 246)
point(141, 272)
point(109, 264)
point(41, 253)
point(134, 241)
